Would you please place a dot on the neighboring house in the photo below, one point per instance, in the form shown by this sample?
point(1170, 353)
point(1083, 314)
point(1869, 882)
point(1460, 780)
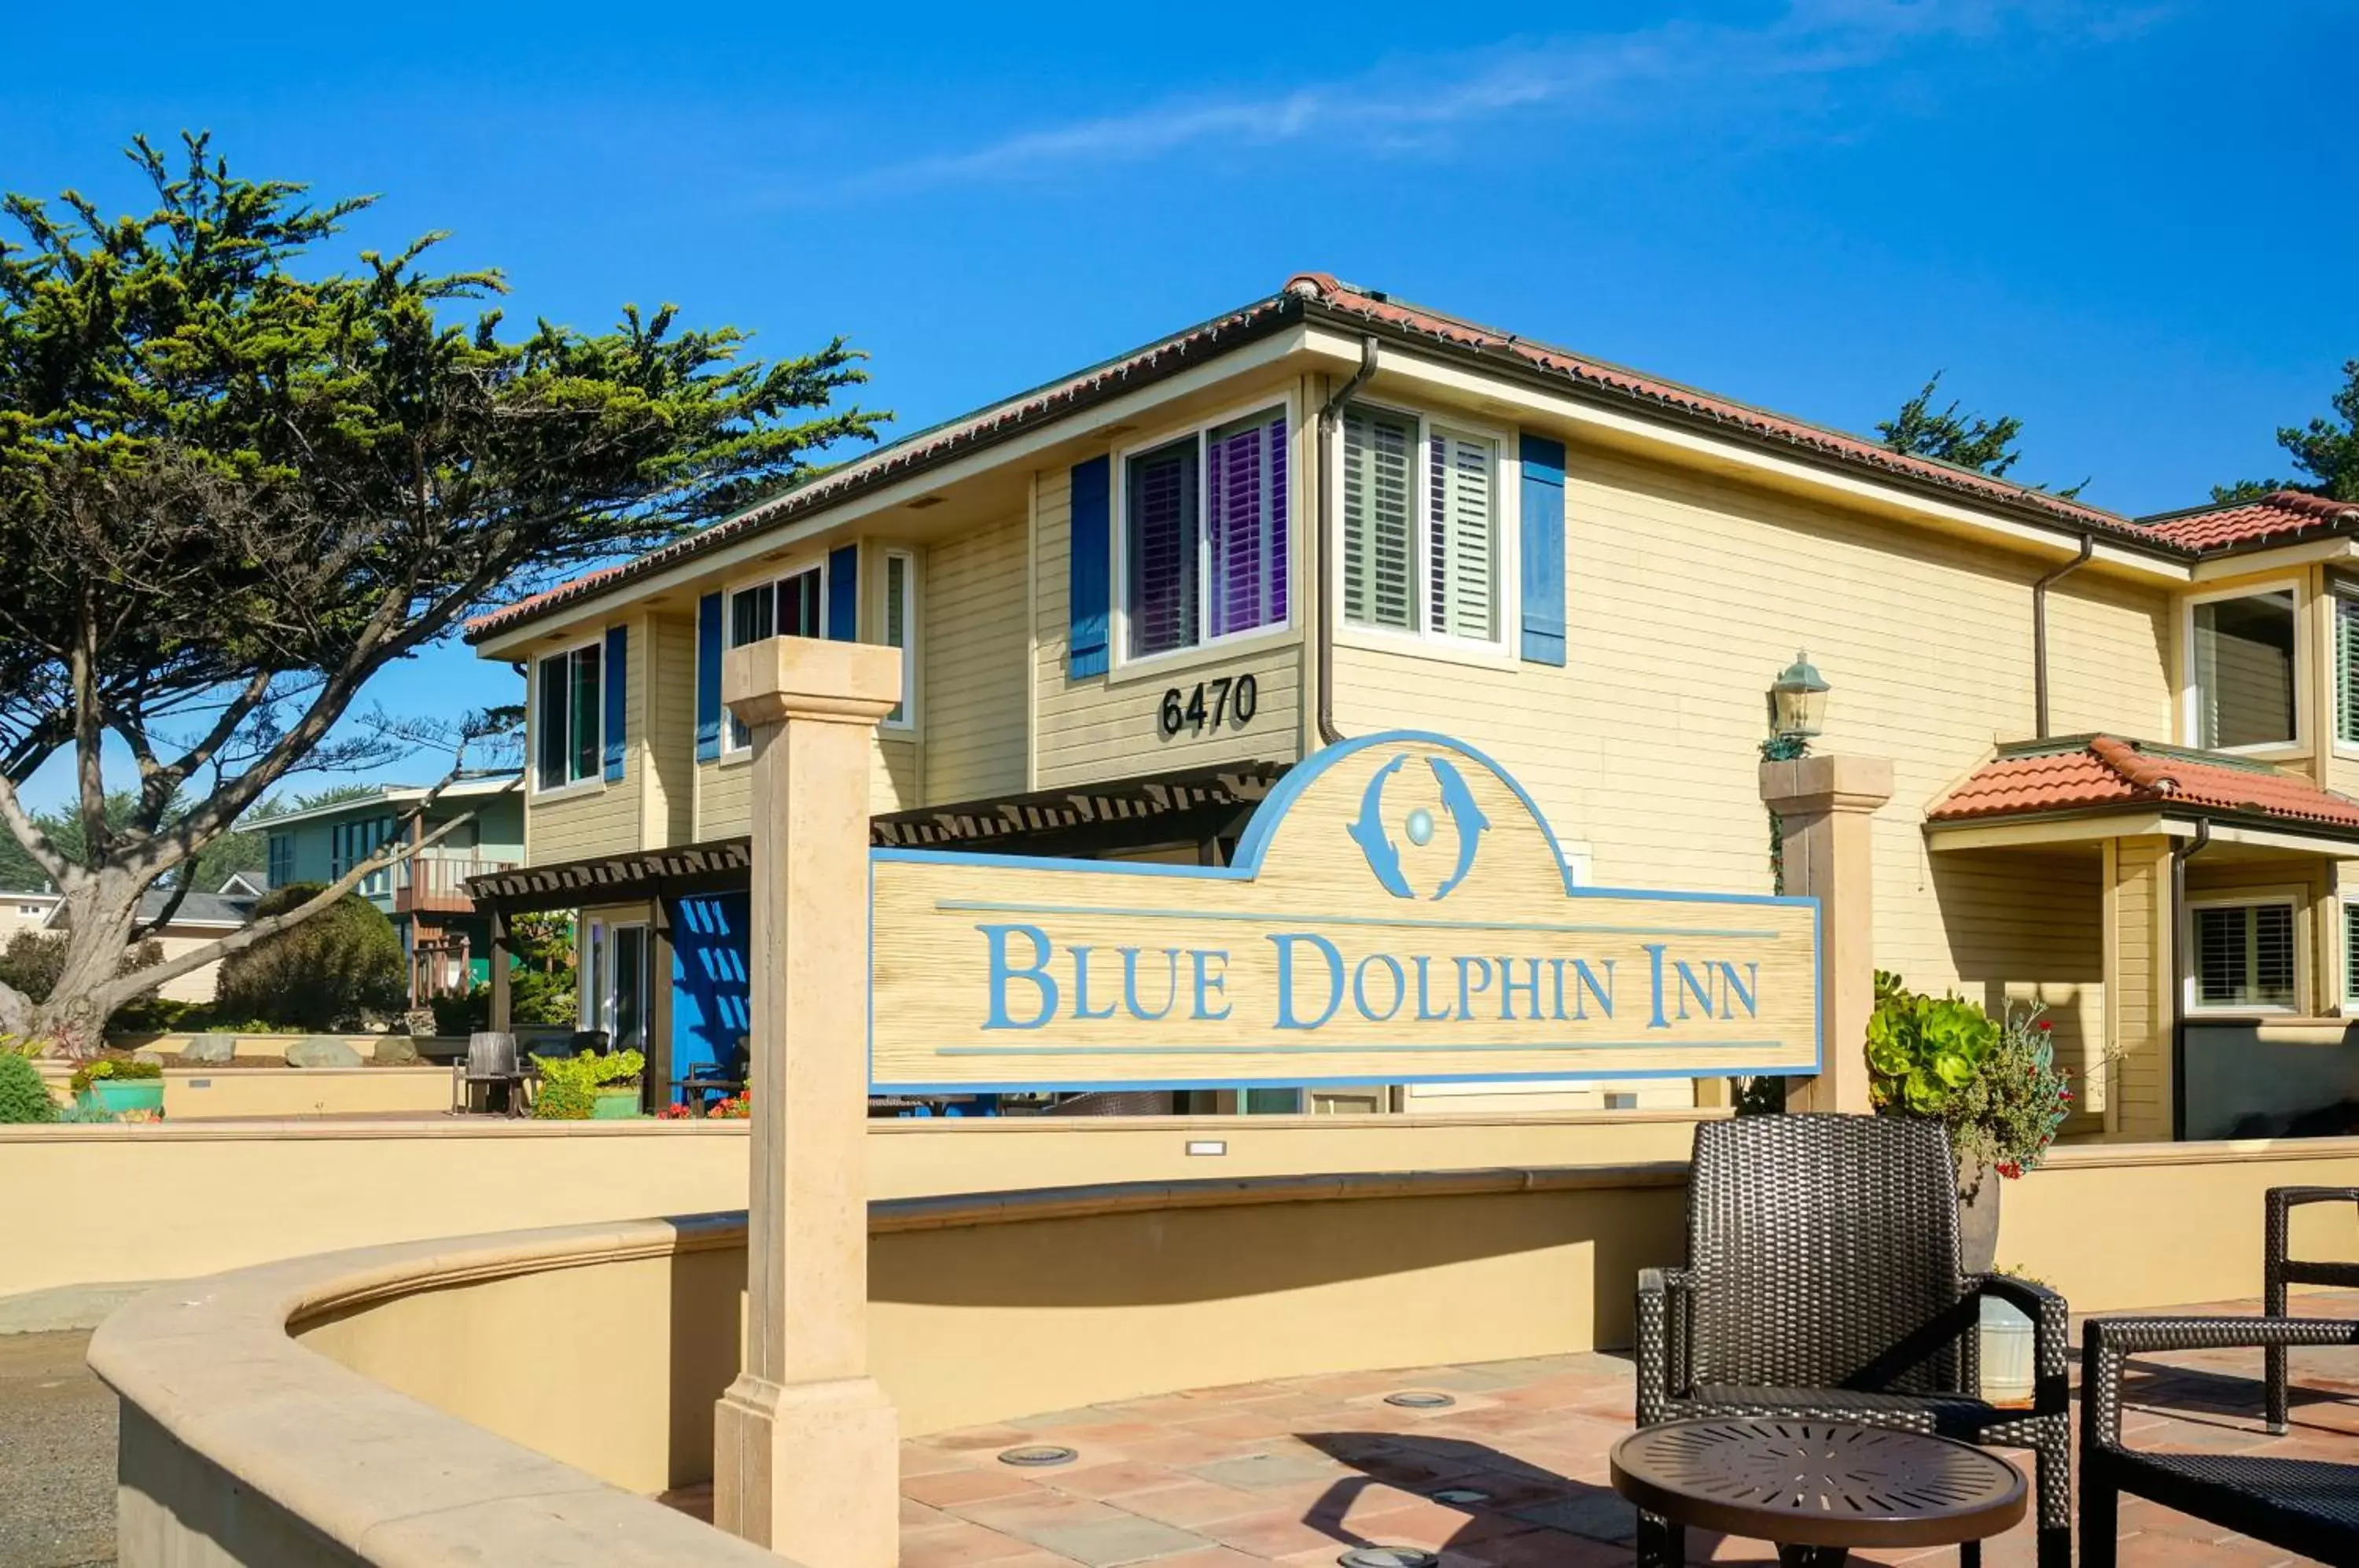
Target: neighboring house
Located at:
point(447, 942)
point(199, 919)
point(24, 913)
point(1132, 598)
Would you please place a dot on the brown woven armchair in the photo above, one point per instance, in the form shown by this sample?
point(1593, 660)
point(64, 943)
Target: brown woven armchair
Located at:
point(2278, 1270)
point(1822, 1283)
point(2308, 1506)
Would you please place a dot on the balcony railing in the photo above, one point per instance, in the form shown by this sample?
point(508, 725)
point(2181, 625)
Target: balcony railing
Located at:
point(437, 884)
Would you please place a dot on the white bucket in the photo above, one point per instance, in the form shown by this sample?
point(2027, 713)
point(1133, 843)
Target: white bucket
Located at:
point(2007, 1352)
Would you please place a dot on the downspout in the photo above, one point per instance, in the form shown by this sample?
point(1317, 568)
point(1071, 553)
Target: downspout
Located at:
point(2181, 853)
point(1329, 531)
point(2039, 632)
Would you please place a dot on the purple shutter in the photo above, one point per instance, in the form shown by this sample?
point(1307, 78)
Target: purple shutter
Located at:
point(1246, 525)
point(1163, 552)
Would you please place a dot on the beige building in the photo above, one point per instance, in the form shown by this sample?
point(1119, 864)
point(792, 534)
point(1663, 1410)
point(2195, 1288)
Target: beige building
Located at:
point(1131, 599)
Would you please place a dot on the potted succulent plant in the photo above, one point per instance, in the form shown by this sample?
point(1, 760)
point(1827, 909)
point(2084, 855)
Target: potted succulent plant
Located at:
point(117, 1087)
point(1994, 1082)
point(590, 1088)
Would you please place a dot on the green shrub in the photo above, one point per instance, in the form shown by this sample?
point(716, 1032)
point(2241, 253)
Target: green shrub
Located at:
point(119, 1069)
point(326, 975)
point(463, 1014)
point(1922, 1050)
point(570, 1084)
point(33, 960)
point(23, 1096)
point(1994, 1082)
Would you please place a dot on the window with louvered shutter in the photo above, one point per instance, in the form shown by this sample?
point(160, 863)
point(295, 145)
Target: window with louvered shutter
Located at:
point(1463, 535)
point(1160, 549)
point(2350, 952)
point(2244, 956)
point(1245, 524)
point(1379, 527)
point(899, 624)
point(2346, 669)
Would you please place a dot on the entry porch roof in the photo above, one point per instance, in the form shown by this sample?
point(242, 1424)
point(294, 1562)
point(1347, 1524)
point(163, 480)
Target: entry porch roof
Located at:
point(2092, 786)
point(1195, 806)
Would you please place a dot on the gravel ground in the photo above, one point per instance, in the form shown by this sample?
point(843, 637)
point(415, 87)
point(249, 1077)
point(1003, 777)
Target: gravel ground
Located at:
point(57, 1454)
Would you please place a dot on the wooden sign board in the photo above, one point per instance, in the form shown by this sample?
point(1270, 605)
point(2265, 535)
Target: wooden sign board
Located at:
point(1399, 912)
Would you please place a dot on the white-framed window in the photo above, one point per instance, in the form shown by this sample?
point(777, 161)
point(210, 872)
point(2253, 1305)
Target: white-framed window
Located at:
point(569, 717)
point(1204, 551)
point(2346, 666)
point(2241, 685)
point(792, 605)
point(1425, 516)
point(901, 632)
point(2350, 952)
point(351, 842)
point(2243, 956)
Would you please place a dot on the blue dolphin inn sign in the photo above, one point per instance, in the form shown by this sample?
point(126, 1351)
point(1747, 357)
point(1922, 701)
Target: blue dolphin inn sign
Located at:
point(1399, 912)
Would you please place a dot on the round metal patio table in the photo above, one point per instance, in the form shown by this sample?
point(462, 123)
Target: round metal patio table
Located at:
point(1818, 1488)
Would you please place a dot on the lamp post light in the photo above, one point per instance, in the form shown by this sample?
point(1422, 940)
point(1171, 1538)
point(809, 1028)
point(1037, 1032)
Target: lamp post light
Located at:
point(1797, 701)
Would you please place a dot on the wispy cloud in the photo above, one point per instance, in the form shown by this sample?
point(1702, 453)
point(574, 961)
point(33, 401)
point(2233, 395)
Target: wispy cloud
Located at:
point(1649, 72)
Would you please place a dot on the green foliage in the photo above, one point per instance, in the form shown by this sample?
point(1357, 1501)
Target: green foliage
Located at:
point(239, 850)
point(1922, 1050)
point(327, 973)
point(252, 473)
point(2326, 451)
point(465, 1013)
point(1967, 441)
point(1994, 1082)
point(23, 1096)
point(570, 1084)
point(33, 960)
point(541, 984)
point(115, 1069)
point(86, 1114)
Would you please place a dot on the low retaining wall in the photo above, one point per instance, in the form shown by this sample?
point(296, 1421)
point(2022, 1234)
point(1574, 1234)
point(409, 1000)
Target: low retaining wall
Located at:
point(224, 1195)
point(193, 1093)
point(501, 1397)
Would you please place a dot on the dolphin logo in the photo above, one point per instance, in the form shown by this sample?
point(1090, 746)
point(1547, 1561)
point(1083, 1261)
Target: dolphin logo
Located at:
point(1369, 833)
point(1459, 801)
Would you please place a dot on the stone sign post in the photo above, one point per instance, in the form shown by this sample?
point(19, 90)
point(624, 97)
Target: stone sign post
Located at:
point(1824, 805)
point(805, 1448)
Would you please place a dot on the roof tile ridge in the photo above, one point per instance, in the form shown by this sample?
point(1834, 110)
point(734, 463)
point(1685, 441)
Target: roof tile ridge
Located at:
point(2133, 767)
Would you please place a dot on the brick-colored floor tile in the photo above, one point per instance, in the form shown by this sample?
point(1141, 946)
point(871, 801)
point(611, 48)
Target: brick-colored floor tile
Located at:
point(957, 1545)
point(1272, 1533)
point(1111, 1480)
point(1193, 1503)
point(946, 1488)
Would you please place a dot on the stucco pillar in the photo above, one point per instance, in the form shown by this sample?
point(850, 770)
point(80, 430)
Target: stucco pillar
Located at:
point(804, 1450)
point(1824, 804)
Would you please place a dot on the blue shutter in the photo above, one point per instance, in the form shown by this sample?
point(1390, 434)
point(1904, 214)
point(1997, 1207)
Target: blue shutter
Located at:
point(708, 678)
point(844, 595)
point(1088, 587)
point(1543, 550)
point(618, 655)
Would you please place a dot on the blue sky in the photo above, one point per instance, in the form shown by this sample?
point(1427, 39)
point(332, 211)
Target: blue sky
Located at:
point(2131, 224)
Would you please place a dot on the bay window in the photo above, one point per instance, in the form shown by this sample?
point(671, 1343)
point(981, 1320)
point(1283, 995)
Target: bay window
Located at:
point(1422, 527)
point(1204, 536)
point(794, 605)
point(568, 710)
point(2243, 679)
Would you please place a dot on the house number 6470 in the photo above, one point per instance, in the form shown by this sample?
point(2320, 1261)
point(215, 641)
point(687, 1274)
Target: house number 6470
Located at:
point(1231, 700)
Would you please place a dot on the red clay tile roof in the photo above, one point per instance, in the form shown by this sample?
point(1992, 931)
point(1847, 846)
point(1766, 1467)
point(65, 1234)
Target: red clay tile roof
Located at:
point(1317, 295)
point(2103, 771)
point(2280, 514)
point(1629, 383)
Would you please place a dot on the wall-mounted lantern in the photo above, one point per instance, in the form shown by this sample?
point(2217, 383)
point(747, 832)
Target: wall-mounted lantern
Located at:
point(1798, 701)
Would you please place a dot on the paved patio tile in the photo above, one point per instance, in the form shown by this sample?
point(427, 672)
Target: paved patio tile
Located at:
point(1262, 1471)
point(957, 1545)
point(1108, 1543)
point(948, 1488)
point(1193, 1504)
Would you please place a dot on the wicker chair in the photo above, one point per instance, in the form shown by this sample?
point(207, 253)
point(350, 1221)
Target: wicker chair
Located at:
point(2278, 1271)
point(2306, 1505)
point(1822, 1283)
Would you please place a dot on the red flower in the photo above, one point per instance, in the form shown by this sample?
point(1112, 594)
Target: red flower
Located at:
point(2045, 1026)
